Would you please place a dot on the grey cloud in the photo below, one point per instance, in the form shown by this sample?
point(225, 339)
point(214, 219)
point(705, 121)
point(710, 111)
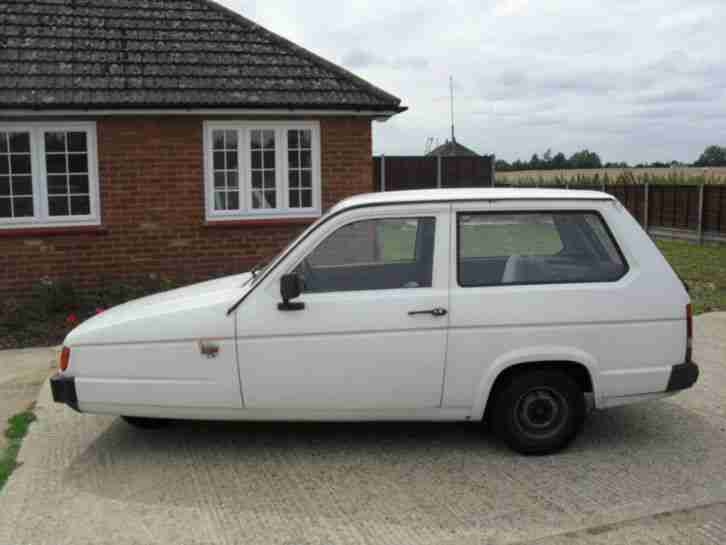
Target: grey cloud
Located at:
point(358, 58)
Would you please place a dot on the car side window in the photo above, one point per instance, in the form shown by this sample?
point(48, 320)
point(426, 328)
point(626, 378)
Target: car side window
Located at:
point(378, 254)
point(536, 248)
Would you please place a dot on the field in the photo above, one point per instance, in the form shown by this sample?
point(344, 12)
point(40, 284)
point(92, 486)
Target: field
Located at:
point(672, 176)
point(703, 267)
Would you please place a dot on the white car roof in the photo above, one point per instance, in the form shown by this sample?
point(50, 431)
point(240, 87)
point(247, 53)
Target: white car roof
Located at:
point(470, 194)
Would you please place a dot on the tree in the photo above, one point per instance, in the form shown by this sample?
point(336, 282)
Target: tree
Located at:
point(501, 165)
point(713, 156)
point(534, 162)
point(585, 159)
point(559, 161)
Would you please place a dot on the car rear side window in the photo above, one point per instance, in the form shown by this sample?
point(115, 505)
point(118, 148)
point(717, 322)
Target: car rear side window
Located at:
point(514, 248)
point(388, 253)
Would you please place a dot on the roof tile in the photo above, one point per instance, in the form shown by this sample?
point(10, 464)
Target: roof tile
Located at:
point(160, 53)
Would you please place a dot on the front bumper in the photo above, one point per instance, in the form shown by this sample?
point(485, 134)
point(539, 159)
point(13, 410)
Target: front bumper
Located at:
point(682, 376)
point(64, 390)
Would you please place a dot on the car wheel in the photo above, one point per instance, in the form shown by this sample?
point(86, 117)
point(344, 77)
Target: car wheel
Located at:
point(146, 423)
point(539, 412)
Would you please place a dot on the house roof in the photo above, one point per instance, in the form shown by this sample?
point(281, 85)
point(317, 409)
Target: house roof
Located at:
point(159, 54)
point(452, 148)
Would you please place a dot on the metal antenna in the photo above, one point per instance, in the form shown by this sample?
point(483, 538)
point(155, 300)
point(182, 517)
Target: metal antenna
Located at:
point(451, 91)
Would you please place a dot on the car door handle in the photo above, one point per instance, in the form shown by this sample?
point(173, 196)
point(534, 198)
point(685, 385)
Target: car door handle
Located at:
point(434, 312)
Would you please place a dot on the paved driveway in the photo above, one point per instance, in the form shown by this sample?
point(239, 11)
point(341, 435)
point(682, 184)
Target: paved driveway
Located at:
point(651, 473)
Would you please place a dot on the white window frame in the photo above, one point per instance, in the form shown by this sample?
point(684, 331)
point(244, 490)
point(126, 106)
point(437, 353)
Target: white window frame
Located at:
point(41, 217)
point(246, 212)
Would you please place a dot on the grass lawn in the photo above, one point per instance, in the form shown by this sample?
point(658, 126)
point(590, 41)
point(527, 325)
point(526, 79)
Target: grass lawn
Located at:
point(703, 267)
point(17, 428)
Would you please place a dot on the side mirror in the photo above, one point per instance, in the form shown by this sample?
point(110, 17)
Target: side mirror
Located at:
point(291, 286)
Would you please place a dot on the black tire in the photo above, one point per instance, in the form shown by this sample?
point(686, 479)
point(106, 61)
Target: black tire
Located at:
point(538, 412)
point(145, 423)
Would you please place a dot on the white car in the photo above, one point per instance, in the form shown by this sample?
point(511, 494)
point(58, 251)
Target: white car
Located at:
point(520, 307)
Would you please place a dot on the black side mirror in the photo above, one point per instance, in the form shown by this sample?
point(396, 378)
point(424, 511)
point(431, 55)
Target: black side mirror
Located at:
point(291, 286)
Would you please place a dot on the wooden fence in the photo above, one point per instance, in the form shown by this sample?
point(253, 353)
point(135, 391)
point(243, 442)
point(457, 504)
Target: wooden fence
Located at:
point(392, 173)
point(684, 211)
point(696, 212)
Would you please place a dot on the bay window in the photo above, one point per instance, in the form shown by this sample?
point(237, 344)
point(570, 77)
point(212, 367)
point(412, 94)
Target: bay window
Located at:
point(265, 169)
point(48, 175)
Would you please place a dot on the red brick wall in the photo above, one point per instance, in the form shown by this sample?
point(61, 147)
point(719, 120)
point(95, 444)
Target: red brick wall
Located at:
point(152, 208)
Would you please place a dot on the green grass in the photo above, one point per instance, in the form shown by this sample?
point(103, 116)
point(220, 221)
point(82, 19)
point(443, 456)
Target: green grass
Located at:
point(17, 428)
point(703, 267)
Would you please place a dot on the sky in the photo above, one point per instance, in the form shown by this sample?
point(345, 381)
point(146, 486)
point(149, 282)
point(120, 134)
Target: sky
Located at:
point(635, 81)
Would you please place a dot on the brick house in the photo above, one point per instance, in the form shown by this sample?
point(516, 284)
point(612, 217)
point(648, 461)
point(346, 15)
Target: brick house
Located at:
point(148, 137)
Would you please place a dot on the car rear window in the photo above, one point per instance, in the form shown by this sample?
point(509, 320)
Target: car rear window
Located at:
point(536, 248)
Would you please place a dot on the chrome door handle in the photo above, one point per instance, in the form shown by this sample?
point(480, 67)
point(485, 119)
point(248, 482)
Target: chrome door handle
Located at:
point(434, 312)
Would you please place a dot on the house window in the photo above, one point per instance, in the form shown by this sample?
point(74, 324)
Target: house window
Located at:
point(48, 175)
point(262, 170)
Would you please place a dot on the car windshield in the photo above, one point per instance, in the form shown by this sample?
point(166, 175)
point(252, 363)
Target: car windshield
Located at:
point(259, 269)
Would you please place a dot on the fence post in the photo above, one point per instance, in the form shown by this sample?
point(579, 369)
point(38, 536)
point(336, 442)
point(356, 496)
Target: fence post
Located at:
point(494, 170)
point(438, 171)
point(646, 206)
point(383, 172)
point(700, 214)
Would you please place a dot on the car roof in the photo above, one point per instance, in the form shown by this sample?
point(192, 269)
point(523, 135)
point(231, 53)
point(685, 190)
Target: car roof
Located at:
point(470, 194)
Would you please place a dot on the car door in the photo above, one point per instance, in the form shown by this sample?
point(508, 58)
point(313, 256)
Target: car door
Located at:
point(372, 333)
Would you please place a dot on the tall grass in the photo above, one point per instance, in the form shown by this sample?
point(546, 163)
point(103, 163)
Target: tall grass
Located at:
point(598, 177)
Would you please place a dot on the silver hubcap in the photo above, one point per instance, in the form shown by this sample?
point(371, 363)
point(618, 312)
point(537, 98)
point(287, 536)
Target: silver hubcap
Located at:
point(541, 412)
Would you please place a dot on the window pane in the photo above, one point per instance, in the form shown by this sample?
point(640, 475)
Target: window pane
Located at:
point(80, 206)
point(218, 160)
point(307, 199)
point(256, 159)
point(220, 200)
point(55, 163)
point(269, 159)
point(292, 139)
point(232, 200)
point(219, 180)
point(294, 199)
point(3, 142)
point(55, 141)
point(305, 138)
point(218, 140)
point(255, 139)
point(4, 185)
point(268, 138)
point(230, 140)
point(373, 255)
point(232, 180)
point(77, 163)
point(78, 183)
point(20, 164)
point(5, 209)
point(58, 206)
point(293, 159)
point(535, 248)
point(257, 179)
point(306, 178)
point(77, 141)
point(293, 179)
point(19, 142)
point(4, 164)
point(270, 199)
point(22, 185)
point(57, 184)
point(23, 207)
point(269, 179)
point(305, 159)
point(232, 160)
